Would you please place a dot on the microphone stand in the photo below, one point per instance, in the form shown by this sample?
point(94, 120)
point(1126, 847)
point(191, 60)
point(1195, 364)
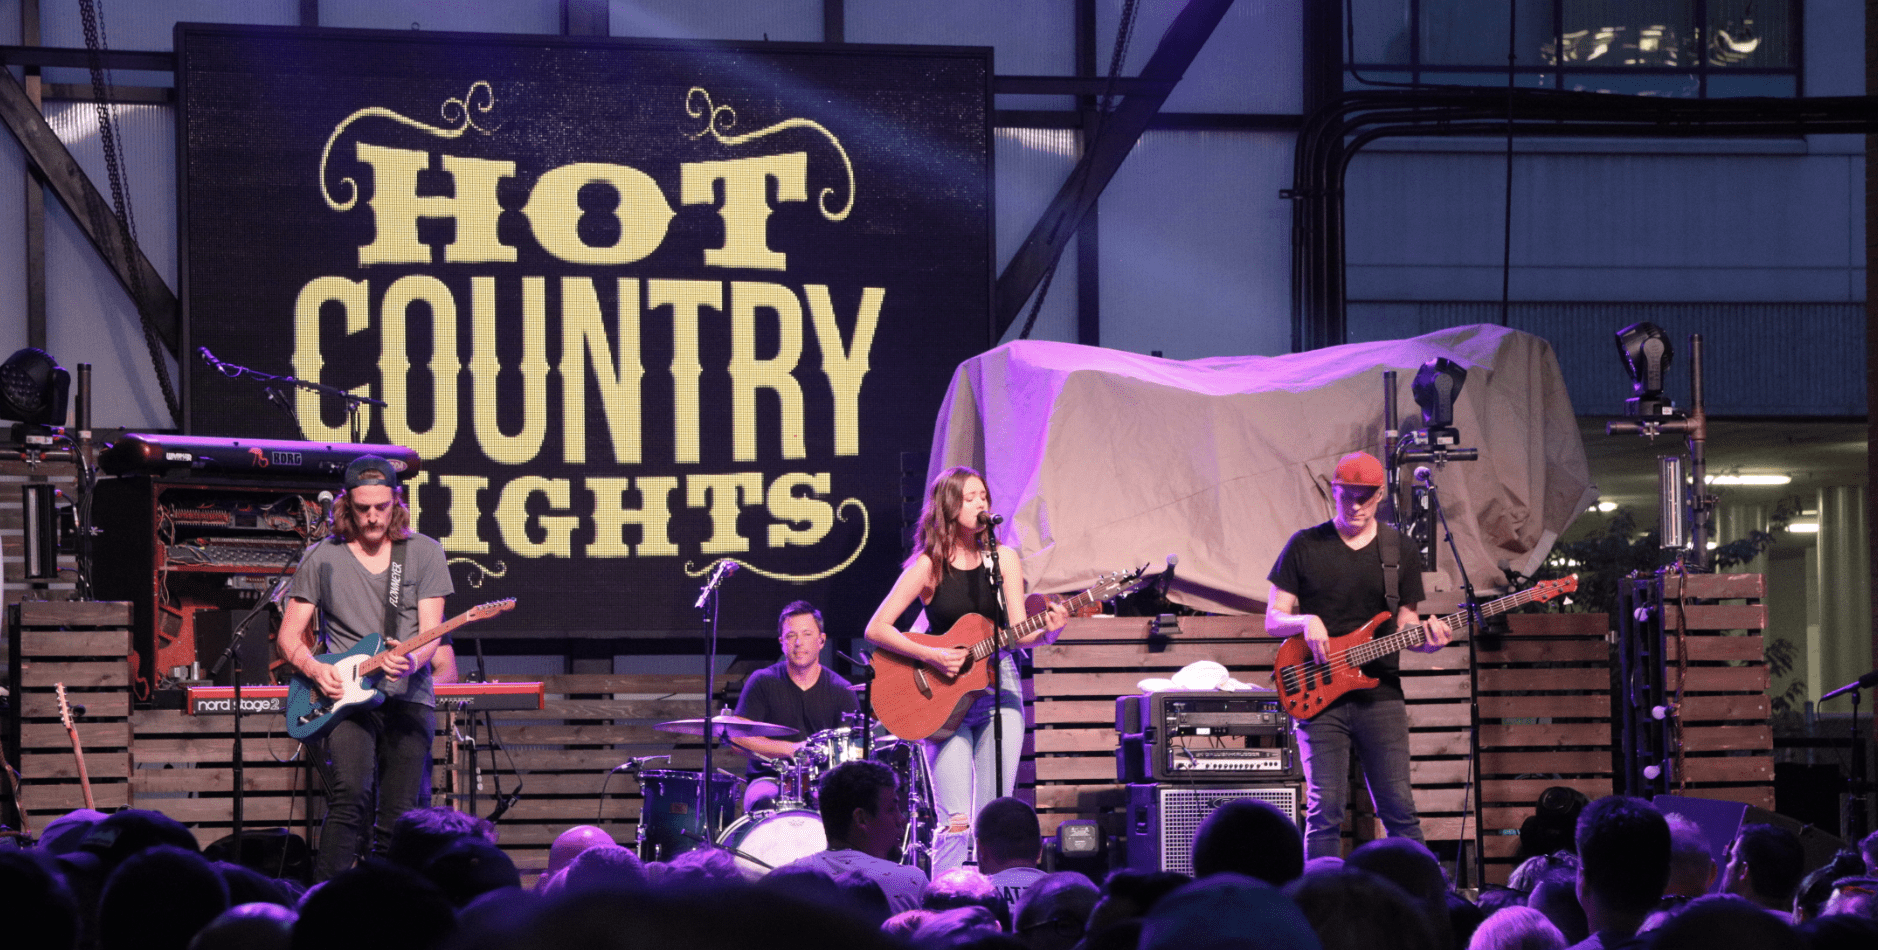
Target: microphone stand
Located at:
point(269, 383)
point(1853, 824)
point(1475, 624)
point(709, 599)
point(1002, 621)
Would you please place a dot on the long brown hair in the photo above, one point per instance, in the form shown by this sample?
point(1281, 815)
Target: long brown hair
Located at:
point(346, 527)
point(938, 521)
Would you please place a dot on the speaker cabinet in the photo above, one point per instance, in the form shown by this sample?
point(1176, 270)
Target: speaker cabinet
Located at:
point(1163, 819)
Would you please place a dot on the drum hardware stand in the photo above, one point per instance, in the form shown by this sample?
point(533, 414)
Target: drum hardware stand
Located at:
point(711, 595)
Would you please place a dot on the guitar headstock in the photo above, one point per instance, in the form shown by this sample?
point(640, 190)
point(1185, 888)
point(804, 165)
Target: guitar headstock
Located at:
point(1116, 584)
point(65, 708)
point(490, 609)
point(1546, 590)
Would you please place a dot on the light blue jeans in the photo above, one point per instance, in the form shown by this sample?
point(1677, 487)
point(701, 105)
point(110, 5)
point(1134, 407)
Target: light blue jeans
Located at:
point(964, 768)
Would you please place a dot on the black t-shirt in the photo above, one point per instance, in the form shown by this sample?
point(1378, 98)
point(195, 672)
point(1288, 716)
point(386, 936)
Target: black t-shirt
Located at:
point(960, 593)
point(1345, 589)
point(769, 695)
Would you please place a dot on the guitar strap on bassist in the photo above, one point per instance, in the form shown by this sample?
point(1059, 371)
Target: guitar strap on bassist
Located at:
point(394, 577)
point(1389, 551)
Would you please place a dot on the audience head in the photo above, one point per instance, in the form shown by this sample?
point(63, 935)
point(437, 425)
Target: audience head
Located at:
point(1840, 932)
point(1868, 850)
point(1009, 835)
point(1247, 836)
point(688, 915)
point(1130, 894)
point(701, 867)
point(469, 868)
point(1853, 895)
point(1623, 850)
point(1527, 875)
point(1055, 912)
point(606, 867)
point(1725, 922)
point(1816, 886)
point(1409, 865)
point(157, 899)
point(257, 926)
point(904, 924)
point(248, 886)
point(1691, 867)
point(954, 927)
point(1765, 863)
point(66, 832)
point(330, 916)
point(1228, 911)
point(1391, 919)
point(132, 830)
point(1493, 899)
point(34, 899)
point(861, 808)
point(864, 896)
point(572, 842)
point(1556, 896)
point(965, 887)
point(422, 833)
point(1516, 928)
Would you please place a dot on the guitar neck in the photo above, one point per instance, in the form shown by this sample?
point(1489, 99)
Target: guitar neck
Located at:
point(1008, 637)
point(1459, 620)
point(418, 642)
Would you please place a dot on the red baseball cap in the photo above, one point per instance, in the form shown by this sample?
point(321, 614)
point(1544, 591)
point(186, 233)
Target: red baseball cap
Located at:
point(1359, 468)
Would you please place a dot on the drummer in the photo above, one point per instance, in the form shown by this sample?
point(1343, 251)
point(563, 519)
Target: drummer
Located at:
point(796, 691)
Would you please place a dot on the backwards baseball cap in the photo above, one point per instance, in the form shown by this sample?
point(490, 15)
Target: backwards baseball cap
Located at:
point(1359, 469)
point(387, 475)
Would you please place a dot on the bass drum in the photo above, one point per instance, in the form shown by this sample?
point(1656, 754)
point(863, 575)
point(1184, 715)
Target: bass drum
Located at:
point(766, 840)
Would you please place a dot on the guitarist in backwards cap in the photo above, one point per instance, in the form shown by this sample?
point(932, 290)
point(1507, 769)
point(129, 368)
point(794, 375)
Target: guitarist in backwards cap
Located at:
point(1330, 580)
point(374, 762)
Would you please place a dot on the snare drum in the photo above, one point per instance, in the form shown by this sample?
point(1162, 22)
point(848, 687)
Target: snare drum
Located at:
point(668, 822)
point(766, 840)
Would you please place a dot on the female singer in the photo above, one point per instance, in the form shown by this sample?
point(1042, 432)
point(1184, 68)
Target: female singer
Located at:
point(949, 575)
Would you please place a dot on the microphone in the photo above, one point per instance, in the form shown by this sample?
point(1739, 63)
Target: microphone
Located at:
point(1423, 475)
point(1869, 679)
point(988, 520)
point(1167, 576)
point(208, 357)
point(326, 505)
point(636, 763)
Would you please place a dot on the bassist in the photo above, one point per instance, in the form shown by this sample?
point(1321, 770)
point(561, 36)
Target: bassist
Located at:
point(1331, 578)
point(375, 763)
point(949, 577)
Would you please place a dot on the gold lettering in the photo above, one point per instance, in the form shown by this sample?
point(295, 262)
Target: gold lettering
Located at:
point(746, 207)
point(465, 513)
point(354, 298)
point(728, 494)
point(512, 517)
point(685, 297)
point(845, 367)
point(749, 374)
point(486, 369)
point(554, 213)
point(584, 344)
point(653, 516)
point(394, 364)
point(809, 518)
point(396, 208)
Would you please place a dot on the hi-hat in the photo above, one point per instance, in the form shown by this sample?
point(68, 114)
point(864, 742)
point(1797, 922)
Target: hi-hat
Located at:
point(727, 727)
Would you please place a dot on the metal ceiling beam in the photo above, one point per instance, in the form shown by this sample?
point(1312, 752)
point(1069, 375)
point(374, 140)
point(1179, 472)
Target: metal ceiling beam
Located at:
point(54, 165)
point(1103, 157)
point(76, 57)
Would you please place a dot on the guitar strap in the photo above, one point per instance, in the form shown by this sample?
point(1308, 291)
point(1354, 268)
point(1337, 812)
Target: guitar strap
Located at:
point(395, 582)
point(1389, 550)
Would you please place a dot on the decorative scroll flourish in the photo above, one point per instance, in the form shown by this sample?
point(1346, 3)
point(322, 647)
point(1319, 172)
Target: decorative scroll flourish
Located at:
point(479, 572)
point(460, 113)
point(840, 515)
point(719, 120)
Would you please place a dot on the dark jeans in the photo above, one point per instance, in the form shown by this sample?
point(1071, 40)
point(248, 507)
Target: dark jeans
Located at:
point(375, 766)
point(1379, 732)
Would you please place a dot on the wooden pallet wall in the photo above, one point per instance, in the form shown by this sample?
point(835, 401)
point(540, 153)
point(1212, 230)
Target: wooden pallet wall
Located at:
point(1728, 742)
point(82, 645)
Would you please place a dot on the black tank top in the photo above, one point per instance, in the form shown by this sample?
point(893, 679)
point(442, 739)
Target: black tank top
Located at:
point(961, 593)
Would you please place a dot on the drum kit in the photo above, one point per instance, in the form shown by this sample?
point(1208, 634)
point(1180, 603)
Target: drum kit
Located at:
point(788, 827)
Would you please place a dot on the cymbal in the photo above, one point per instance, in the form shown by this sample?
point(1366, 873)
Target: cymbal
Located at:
point(727, 727)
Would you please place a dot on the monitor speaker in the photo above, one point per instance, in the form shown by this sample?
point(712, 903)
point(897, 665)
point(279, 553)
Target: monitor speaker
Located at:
point(1163, 819)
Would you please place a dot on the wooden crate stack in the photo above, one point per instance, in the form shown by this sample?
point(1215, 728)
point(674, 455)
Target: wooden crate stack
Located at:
point(84, 646)
point(1545, 720)
point(184, 768)
point(1728, 742)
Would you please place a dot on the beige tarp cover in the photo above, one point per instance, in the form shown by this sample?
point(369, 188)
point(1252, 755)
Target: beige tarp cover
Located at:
point(1104, 460)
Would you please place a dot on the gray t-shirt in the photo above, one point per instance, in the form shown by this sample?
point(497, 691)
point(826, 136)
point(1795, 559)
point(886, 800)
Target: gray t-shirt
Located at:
point(351, 601)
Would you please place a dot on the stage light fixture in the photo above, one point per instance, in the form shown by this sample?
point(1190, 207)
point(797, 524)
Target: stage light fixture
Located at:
point(1646, 353)
point(34, 388)
point(1436, 386)
point(1749, 479)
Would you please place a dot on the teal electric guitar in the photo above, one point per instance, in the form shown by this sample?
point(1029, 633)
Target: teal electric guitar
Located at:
point(311, 714)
